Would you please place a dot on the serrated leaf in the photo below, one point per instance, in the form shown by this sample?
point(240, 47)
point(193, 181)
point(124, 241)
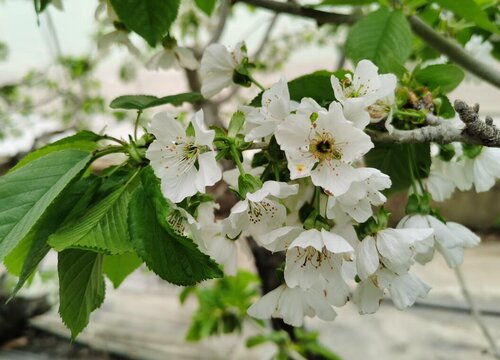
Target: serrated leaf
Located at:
point(103, 227)
point(141, 102)
point(171, 256)
point(83, 140)
point(33, 248)
point(469, 10)
point(207, 6)
point(446, 109)
point(395, 161)
point(26, 194)
point(151, 19)
point(444, 77)
point(81, 287)
point(384, 37)
point(118, 267)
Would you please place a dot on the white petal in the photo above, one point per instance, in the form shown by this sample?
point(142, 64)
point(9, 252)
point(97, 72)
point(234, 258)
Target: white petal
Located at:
point(186, 58)
point(367, 260)
point(307, 238)
point(404, 289)
point(335, 243)
point(367, 296)
point(299, 271)
point(209, 171)
point(202, 134)
point(266, 306)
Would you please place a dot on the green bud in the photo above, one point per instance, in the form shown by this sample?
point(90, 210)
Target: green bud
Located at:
point(248, 184)
point(446, 152)
point(472, 151)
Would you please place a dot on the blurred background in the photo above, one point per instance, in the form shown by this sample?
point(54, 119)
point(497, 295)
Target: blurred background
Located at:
point(55, 80)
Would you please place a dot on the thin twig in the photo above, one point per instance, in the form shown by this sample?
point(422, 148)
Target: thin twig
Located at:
point(224, 8)
point(447, 47)
point(265, 38)
point(476, 314)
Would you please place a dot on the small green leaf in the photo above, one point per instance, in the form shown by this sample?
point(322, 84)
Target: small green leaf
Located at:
point(132, 102)
point(81, 287)
point(444, 77)
point(207, 6)
point(141, 102)
point(151, 19)
point(83, 140)
point(118, 267)
point(394, 160)
point(26, 194)
point(236, 123)
point(103, 227)
point(469, 10)
point(384, 37)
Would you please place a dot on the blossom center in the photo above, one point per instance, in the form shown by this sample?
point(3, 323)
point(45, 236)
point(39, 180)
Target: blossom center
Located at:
point(323, 148)
point(258, 210)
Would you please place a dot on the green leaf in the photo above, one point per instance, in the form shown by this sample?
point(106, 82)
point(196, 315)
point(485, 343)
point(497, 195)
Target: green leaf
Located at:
point(24, 259)
point(316, 85)
point(444, 77)
point(81, 287)
point(471, 11)
point(118, 267)
point(347, 2)
point(395, 160)
point(173, 257)
point(383, 37)
point(103, 227)
point(83, 140)
point(151, 19)
point(141, 102)
point(236, 123)
point(26, 194)
point(445, 110)
point(207, 6)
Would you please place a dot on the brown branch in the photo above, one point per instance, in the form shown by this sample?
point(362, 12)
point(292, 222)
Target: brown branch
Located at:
point(447, 47)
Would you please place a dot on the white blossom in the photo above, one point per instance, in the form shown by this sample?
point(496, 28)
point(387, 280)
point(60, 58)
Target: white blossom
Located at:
point(210, 234)
point(185, 164)
point(404, 289)
point(260, 212)
point(358, 200)
point(217, 67)
point(448, 238)
point(394, 248)
point(366, 95)
point(292, 305)
point(118, 37)
point(174, 57)
point(276, 106)
point(483, 170)
point(323, 148)
point(314, 254)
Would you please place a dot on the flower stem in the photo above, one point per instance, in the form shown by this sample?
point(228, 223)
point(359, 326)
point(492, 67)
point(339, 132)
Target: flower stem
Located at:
point(237, 161)
point(121, 142)
point(317, 198)
point(136, 124)
point(258, 84)
point(112, 149)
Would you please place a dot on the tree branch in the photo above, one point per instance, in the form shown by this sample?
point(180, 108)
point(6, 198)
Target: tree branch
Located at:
point(322, 17)
point(435, 40)
point(454, 51)
point(476, 131)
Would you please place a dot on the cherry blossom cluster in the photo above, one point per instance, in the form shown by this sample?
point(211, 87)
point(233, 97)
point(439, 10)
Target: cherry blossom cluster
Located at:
point(337, 249)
